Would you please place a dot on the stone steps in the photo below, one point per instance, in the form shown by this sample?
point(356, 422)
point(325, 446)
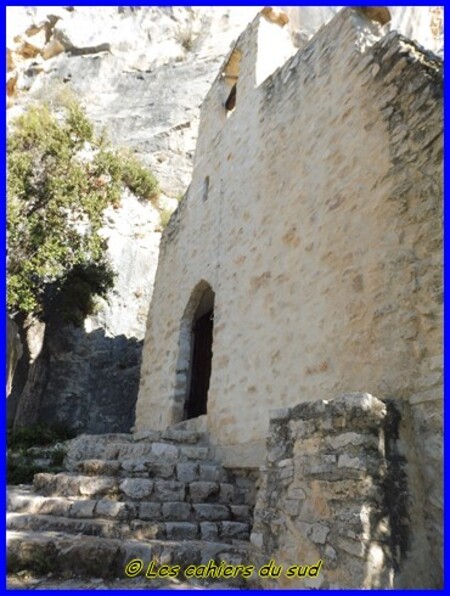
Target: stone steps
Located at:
point(157, 497)
point(23, 500)
point(224, 531)
point(91, 556)
point(68, 484)
point(178, 447)
point(148, 468)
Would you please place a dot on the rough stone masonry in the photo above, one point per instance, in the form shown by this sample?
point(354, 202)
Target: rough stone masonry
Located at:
point(313, 223)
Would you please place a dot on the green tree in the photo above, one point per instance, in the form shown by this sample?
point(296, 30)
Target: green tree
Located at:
point(61, 177)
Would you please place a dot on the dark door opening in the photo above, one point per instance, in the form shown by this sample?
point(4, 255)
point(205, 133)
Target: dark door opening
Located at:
point(201, 365)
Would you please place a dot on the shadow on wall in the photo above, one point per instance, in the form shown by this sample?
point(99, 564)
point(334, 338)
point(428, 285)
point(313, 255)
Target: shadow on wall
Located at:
point(86, 382)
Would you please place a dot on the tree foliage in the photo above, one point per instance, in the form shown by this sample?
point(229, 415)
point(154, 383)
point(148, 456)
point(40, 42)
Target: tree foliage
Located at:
point(61, 177)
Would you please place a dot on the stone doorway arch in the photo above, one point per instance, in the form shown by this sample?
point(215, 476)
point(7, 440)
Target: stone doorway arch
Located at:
point(195, 354)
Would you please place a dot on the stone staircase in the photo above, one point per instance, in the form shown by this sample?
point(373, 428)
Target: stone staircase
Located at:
point(155, 496)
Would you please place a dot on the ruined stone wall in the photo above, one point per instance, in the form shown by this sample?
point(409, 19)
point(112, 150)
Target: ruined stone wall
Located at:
point(334, 489)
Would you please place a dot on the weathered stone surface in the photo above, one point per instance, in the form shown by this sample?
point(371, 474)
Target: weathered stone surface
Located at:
point(195, 452)
point(178, 511)
point(160, 469)
point(211, 473)
point(240, 512)
point(321, 508)
point(180, 436)
point(151, 511)
point(115, 509)
point(181, 531)
point(227, 493)
point(144, 530)
point(83, 508)
point(94, 467)
point(211, 512)
point(236, 530)
point(209, 531)
point(203, 491)
point(165, 450)
point(187, 472)
point(137, 465)
point(137, 488)
point(169, 490)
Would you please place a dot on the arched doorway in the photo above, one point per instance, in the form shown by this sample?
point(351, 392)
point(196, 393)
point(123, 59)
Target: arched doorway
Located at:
point(201, 355)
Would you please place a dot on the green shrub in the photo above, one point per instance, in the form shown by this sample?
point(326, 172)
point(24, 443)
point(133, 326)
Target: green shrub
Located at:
point(21, 470)
point(164, 218)
point(58, 456)
point(138, 179)
point(38, 435)
point(22, 461)
point(56, 200)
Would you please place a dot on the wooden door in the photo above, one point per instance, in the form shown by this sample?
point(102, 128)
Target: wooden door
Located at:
point(201, 366)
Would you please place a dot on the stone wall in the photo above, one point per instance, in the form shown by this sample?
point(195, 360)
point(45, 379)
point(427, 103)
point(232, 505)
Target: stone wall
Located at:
point(320, 236)
point(334, 488)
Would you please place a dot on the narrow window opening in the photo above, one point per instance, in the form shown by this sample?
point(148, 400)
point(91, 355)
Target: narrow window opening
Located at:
point(205, 188)
point(230, 77)
point(230, 104)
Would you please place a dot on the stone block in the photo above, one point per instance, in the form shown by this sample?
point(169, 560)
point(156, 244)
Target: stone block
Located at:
point(178, 511)
point(114, 509)
point(83, 508)
point(194, 452)
point(146, 435)
point(181, 531)
point(236, 530)
point(355, 463)
point(319, 533)
point(137, 488)
point(209, 531)
point(211, 512)
point(180, 436)
point(240, 512)
point(257, 539)
point(211, 473)
point(281, 414)
point(160, 469)
point(169, 490)
point(144, 530)
point(164, 450)
point(291, 507)
point(96, 486)
point(203, 491)
point(187, 472)
point(55, 506)
point(227, 493)
point(131, 465)
point(149, 510)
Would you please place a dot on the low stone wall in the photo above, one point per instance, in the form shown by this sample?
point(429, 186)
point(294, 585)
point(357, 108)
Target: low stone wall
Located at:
point(334, 494)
